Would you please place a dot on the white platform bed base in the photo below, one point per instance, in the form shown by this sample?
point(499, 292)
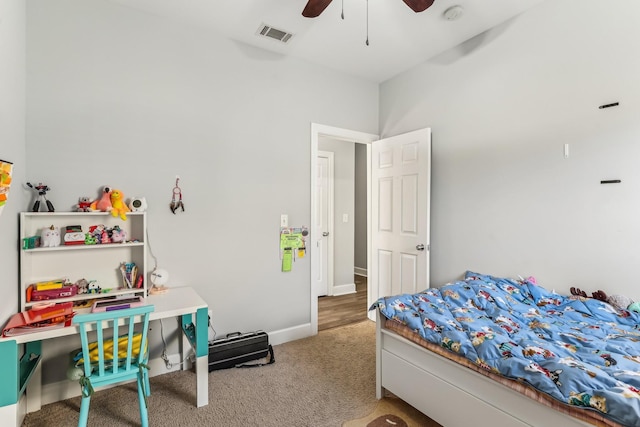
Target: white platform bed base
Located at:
point(451, 394)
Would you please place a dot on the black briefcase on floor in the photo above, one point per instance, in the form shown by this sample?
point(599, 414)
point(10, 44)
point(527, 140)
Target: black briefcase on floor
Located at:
point(236, 349)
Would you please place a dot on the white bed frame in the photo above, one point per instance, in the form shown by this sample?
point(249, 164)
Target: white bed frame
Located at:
point(451, 394)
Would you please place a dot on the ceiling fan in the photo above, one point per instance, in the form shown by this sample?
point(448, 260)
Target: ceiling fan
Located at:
point(314, 8)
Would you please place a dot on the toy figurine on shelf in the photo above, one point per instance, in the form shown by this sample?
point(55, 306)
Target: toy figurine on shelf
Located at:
point(50, 236)
point(118, 235)
point(104, 237)
point(84, 204)
point(103, 204)
point(83, 286)
point(90, 239)
point(93, 287)
point(119, 208)
point(42, 197)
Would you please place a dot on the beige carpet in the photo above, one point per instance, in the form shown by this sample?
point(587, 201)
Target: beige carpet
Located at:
point(393, 412)
point(319, 381)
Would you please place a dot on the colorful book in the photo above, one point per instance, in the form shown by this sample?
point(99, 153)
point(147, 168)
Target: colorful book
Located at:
point(26, 329)
point(51, 316)
point(51, 284)
point(49, 311)
point(50, 294)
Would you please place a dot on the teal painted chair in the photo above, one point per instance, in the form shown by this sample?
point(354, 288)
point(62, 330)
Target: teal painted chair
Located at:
point(130, 350)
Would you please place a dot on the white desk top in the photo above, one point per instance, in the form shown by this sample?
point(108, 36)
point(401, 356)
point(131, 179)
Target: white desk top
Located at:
point(175, 302)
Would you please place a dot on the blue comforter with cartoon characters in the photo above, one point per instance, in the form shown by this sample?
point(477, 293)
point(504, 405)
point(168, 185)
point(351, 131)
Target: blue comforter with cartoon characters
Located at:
point(580, 351)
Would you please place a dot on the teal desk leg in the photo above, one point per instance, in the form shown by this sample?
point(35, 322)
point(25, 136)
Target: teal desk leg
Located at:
point(14, 376)
point(9, 374)
point(202, 334)
point(198, 335)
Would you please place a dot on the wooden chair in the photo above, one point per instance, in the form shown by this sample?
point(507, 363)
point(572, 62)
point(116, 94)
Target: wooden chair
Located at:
point(114, 361)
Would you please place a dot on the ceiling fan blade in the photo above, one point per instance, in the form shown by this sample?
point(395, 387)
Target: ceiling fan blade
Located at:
point(314, 8)
point(418, 5)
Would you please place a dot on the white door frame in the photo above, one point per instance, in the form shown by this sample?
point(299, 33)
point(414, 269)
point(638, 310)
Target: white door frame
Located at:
point(347, 136)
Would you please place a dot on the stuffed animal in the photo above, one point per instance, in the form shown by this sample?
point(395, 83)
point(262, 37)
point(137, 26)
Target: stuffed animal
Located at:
point(83, 286)
point(50, 237)
point(104, 204)
point(84, 204)
point(634, 307)
point(93, 287)
point(118, 207)
point(620, 302)
point(118, 235)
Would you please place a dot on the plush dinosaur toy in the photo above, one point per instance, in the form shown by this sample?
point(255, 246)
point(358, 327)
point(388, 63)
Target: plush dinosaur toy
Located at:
point(119, 208)
point(104, 204)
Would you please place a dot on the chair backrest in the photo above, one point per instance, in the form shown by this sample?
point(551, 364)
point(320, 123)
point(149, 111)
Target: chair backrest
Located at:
point(108, 325)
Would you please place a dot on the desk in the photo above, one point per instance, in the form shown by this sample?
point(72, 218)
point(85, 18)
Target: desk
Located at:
point(22, 373)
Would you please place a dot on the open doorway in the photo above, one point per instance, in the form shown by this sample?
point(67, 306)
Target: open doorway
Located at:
point(342, 220)
point(345, 292)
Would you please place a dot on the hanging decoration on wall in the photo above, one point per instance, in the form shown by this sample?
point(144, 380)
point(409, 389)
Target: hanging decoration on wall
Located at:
point(6, 168)
point(176, 198)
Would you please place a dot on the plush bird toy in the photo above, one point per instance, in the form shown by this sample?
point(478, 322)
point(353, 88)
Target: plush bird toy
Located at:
point(104, 203)
point(119, 208)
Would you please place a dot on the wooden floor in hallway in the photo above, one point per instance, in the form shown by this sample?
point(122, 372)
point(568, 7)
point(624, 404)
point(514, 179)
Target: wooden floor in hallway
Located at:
point(334, 311)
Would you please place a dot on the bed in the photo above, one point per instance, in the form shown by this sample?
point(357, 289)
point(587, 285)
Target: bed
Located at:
point(502, 352)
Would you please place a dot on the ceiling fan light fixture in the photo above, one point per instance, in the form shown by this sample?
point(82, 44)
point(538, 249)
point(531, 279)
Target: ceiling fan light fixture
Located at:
point(453, 13)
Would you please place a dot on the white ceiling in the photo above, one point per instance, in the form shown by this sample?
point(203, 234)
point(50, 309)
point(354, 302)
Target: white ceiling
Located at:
point(398, 37)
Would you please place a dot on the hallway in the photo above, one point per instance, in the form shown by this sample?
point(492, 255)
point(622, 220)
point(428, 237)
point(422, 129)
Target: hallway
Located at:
point(344, 309)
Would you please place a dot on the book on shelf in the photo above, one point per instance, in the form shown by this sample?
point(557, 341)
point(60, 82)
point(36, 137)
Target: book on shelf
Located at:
point(50, 284)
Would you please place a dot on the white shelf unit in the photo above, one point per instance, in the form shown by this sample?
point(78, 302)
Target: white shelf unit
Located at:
point(100, 262)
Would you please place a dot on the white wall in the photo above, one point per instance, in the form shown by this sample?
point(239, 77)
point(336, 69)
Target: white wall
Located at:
point(12, 144)
point(118, 97)
point(505, 201)
point(343, 203)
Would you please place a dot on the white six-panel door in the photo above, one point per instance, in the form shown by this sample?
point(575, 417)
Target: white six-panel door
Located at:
point(400, 204)
point(323, 279)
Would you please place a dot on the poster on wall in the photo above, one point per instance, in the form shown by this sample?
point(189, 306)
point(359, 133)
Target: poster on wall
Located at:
point(5, 182)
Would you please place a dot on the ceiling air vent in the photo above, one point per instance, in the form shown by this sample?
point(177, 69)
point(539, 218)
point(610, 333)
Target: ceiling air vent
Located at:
point(274, 33)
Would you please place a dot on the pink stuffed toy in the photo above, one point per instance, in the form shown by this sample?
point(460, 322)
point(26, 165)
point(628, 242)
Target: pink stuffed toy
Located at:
point(104, 204)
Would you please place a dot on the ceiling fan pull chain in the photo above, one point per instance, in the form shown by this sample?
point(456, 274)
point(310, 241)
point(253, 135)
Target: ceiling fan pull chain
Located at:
point(367, 42)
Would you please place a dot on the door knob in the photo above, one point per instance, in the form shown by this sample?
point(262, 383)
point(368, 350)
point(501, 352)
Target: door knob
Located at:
point(420, 247)
point(325, 233)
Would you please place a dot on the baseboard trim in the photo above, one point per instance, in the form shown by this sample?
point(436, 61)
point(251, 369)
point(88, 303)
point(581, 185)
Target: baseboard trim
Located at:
point(290, 334)
point(349, 288)
point(360, 271)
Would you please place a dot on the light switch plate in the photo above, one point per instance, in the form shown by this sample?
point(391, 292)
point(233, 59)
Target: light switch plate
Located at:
point(284, 220)
point(345, 217)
